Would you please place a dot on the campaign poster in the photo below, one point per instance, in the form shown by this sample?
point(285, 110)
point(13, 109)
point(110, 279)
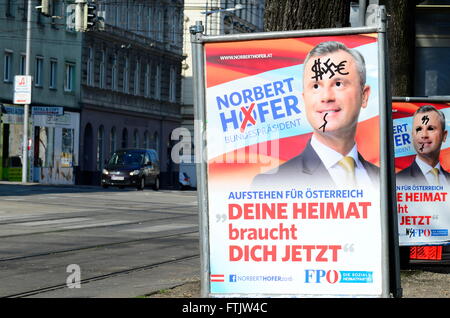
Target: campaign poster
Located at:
point(285, 219)
point(422, 164)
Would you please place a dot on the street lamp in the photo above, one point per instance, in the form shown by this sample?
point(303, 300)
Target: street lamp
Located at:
point(209, 12)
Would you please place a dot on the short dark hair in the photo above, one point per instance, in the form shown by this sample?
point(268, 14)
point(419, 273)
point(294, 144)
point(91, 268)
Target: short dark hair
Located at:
point(431, 108)
point(334, 46)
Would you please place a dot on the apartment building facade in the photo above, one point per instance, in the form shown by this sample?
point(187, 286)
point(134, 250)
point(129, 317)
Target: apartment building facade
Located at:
point(93, 92)
point(54, 110)
point(218, 17)
point(131, 83)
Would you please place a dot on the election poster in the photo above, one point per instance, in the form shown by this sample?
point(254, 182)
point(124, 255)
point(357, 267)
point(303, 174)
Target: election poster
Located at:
point(422, 164)
point(293, 166)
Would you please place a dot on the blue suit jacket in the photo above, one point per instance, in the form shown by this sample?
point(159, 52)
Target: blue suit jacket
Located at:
point(413, 175)
point(306, 169)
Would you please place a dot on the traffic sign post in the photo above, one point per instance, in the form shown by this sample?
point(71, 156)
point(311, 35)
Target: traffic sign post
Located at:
point(26, 105)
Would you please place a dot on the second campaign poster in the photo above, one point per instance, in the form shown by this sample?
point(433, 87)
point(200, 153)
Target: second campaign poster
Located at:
point(293, 151)
point(422, 164)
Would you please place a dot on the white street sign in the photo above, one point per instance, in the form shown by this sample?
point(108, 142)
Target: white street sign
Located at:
point(22, 89)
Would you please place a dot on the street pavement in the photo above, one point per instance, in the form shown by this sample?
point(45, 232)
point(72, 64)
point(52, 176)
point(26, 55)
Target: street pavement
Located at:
point(125, 243)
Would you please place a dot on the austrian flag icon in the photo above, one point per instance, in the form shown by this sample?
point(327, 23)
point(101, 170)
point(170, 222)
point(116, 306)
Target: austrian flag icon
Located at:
point(218, 278)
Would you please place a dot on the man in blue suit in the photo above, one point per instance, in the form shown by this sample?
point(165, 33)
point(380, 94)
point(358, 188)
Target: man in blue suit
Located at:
point(428, 134)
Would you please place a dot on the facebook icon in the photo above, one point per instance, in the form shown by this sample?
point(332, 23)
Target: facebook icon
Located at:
point(233, 278)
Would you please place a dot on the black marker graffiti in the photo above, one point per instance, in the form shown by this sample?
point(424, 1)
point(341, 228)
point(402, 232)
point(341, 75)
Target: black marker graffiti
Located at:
point(331, 68)
point(425, 120)
point(325, 122)
point(421, 148)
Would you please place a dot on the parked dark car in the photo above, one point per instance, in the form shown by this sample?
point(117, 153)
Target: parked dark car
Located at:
point(132, 167)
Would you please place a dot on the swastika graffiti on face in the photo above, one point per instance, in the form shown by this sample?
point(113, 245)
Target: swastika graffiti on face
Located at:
point(321, 69)
point(421, 148)
point(325, 122)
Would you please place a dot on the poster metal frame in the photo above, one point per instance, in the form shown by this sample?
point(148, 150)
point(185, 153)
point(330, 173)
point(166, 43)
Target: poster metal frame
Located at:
point(390, 269)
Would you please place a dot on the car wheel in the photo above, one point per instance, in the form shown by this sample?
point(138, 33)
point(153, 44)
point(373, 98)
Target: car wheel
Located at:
point(141, 184)
point(156, 184)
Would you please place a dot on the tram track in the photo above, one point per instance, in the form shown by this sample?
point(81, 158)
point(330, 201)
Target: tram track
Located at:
point(87, 227)
point(75, 215)
point(95, 246)
point(37, 291)
point(110, 237)
point(118, 208)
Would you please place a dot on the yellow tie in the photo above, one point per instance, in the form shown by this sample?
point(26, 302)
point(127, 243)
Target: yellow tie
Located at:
point(348, 163)
point(435, 172)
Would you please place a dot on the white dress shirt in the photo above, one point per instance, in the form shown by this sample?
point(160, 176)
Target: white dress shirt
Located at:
point(330, 158)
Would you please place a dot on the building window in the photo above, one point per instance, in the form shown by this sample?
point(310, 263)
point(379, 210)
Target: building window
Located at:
point(23, 58)
point(146, 139)
point(114, 72)
point(172, 26)
point(100, 147)
point(172, 85)
point(117, 10)
point(38, 78)
point(69, 78)
point(150, 21)
point(55, 11)
point(127, 17)
point(158, 82)
point(101, 79)
point(136, 78)
point(139, 19)
point(147, 80)
point(53, 73)
point(125, 75)
point(160, 25)
point(90, 67)
point(124, 143)
point(7, 67)
point(432, 50)
point(9, 9)
point(136, 138)
point(113, 140)
point(156, 142)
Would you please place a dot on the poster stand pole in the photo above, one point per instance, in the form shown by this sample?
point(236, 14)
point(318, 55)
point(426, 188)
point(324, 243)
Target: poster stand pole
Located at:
point(200, 160)
point(391, 266)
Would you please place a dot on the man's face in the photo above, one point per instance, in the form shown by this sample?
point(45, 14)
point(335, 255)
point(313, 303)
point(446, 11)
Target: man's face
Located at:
point(428, 134)
point(333, 99)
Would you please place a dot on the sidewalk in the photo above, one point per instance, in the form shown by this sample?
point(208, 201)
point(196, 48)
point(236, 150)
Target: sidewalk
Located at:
point(416, 283)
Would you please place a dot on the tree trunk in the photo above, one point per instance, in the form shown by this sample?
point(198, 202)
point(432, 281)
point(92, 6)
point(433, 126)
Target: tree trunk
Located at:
point(401, 41)
point(284, 15)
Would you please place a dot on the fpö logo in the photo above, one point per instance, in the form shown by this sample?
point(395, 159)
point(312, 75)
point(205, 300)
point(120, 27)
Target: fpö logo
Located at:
point(411, 232)
point(417, 232)
point(331, 276)
point(233, 278)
